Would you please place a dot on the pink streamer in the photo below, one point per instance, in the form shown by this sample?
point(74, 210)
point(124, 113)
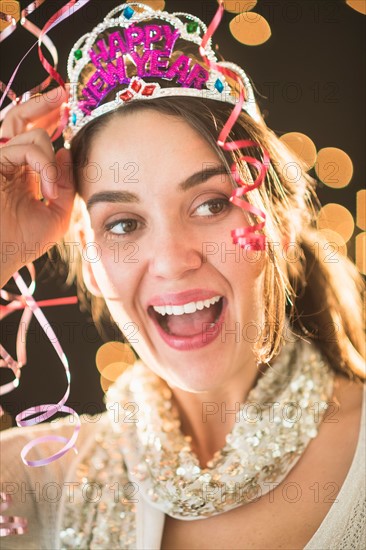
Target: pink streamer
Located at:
point(42, 412)
point(35, 31)
point(26, 301)
point(15, 525)
point(246, 237)
point(59, 16)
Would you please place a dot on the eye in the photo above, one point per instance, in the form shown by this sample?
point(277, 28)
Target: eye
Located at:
point(213, 207)
point(122, 227)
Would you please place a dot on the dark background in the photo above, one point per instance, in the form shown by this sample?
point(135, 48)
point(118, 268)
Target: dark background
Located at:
point(309, 77)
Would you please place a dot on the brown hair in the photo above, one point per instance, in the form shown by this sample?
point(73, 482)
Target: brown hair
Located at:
point(309, 290)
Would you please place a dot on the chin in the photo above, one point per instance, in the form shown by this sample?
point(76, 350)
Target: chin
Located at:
point(196, 375)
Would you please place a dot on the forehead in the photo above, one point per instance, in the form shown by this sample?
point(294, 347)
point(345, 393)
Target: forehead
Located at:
point(157, 147)
point(147, 132)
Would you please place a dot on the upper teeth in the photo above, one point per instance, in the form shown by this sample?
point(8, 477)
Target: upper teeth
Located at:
point(191, 307)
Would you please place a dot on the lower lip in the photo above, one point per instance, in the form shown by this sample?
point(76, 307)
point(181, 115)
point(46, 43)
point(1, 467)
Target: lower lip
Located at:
point(186, 343)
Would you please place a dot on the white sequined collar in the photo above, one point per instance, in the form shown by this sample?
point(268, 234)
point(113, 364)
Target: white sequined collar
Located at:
point(280, 417)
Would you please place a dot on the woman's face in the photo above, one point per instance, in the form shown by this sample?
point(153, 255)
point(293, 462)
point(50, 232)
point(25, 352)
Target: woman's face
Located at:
point(157, 208)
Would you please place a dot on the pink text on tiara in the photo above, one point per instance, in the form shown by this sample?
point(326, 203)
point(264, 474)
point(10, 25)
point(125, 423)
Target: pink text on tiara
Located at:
point(110, 66)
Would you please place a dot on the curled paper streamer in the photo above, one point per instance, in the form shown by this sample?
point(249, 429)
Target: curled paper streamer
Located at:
point(16, 525)
point(46, 411)
point(246, 237)
point(7, 361)
point(70, 8)
point(36, 31)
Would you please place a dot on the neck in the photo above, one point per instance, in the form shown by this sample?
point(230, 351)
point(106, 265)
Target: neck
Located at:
point(208, 417)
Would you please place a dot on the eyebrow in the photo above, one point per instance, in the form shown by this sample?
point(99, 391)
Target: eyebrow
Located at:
point(126, 196)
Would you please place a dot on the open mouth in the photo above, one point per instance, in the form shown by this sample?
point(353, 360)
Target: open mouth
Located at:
point(188, 320)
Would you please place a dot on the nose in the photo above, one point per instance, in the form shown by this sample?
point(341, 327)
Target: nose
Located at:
point(174, 253)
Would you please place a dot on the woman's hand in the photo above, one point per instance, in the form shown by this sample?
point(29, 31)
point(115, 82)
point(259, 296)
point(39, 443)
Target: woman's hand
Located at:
point(29, 170)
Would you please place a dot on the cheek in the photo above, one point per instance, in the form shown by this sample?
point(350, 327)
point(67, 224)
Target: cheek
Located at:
point(116, 277)
point(245, 271)
point(237, 265)
point(253, 263)
point(117, 284)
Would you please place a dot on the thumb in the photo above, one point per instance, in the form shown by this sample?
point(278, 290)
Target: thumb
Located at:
point(65, 169)
point(62, 205)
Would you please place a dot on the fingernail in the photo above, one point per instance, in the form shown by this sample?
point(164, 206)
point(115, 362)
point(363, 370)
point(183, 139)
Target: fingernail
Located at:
point(53, 191)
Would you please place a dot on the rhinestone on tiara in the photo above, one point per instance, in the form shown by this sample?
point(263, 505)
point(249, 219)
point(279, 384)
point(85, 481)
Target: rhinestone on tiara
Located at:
point(135, 33)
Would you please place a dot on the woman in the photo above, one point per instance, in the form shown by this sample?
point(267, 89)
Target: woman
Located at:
point(244, 414)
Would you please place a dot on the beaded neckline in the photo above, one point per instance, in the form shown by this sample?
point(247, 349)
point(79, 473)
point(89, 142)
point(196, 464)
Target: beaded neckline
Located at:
point(280, 417)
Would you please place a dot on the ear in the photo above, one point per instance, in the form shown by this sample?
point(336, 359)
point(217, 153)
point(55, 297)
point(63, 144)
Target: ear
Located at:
point(86, 266)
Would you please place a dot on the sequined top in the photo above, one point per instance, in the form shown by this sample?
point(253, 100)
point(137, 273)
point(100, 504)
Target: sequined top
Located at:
point(89, 501)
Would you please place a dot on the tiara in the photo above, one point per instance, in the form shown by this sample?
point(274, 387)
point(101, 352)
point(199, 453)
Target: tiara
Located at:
point(138, 34)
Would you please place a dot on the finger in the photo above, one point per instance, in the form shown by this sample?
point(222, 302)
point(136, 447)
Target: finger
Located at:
point(24, 114)
point(37, 159)
point(63, 159)
point(62, 206)
point(37, 136)
point(48, 122)
point(41, 139)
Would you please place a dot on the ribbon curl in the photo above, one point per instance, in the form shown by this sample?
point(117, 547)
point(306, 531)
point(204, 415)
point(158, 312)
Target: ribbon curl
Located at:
point(42, 37)
point(36, 31)
point(246, 237)
point(46, 411)
point(15, 525)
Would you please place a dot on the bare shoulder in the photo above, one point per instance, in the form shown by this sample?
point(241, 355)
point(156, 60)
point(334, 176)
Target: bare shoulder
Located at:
point(347, 400)
point(332, 452)
point(342, 420)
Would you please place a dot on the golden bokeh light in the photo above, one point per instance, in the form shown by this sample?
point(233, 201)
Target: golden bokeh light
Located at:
point(105, 383)
point(336, 245)
point(360, 252)
point(10, 8)
point(302, 146)
point(250, 28)
point(361, 209)
point(238, 6)
point(358, 5)
point(114, 370)
point(334, 167)
point(337, 218)
point(114, 352)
